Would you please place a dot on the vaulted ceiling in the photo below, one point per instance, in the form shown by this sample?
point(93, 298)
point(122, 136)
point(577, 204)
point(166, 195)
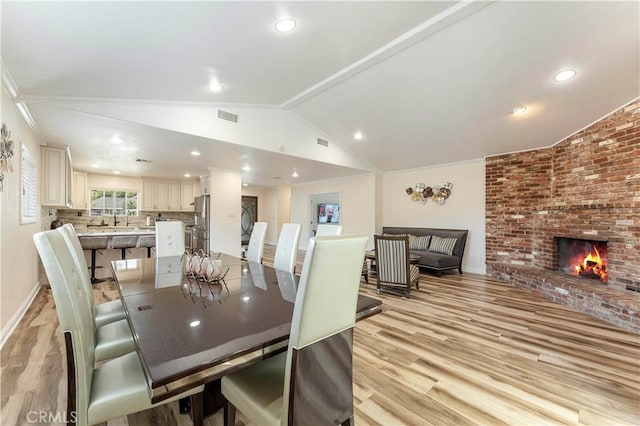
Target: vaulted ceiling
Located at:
point(424, 82)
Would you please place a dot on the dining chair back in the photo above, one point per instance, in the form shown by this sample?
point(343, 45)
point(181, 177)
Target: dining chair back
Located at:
point(169, 238)
point(106, 312)
point(395, 273)
point(287, 247)
point(324, 229)
point(118, 387)
point(312, 383)
point(255, 249)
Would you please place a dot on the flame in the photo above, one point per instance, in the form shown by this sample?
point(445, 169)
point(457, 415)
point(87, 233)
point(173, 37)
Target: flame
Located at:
point(592, 265)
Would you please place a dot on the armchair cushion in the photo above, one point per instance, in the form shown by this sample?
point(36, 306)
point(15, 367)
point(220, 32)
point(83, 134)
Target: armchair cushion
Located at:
point(109, 312)
point(113, 340)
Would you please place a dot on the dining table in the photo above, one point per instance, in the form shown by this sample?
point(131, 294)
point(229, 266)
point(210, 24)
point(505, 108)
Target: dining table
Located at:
point(189, 331)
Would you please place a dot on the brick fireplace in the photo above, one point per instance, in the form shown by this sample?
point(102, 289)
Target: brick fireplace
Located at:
point(586, 187)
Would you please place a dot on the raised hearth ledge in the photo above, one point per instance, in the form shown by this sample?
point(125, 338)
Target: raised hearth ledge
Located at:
point(615, 306)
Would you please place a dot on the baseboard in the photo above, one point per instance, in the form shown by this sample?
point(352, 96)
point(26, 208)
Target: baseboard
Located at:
point(15, 319)
point(471, 270)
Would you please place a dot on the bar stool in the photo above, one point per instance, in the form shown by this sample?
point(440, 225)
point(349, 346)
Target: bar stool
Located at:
point(123, 242)
point(94, 244)
point(148, 241)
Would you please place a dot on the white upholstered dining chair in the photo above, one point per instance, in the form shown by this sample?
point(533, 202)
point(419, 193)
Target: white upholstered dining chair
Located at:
point(287, 247)
point(104, 313)
point(255, 249)
point(324, 229)
point(117, 387)
point(169, 238)
point(112, 333)
point(312, 383)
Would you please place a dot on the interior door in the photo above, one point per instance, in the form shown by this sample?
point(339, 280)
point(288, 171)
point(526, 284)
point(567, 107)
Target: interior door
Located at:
point(248, 217)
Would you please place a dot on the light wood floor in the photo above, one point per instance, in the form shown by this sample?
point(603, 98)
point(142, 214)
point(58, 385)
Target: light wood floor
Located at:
point(463, 350)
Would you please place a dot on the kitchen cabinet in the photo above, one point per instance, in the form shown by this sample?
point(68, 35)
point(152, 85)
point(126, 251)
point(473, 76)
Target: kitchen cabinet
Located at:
point(57, 176)
point(162, 195)
point(187, 193)
point(173, 196)
point(80, 197)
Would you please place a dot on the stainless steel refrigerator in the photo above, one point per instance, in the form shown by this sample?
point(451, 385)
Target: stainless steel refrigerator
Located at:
point(200, 230)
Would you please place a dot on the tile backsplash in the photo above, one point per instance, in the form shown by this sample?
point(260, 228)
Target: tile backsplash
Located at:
point(81, 218)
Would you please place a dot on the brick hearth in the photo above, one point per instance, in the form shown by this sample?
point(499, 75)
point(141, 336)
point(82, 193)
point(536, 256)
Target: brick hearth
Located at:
point(586, 186)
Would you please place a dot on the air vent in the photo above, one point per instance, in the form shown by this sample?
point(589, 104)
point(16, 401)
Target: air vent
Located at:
point(224, 115)
point(142, 160)
point(323, 142)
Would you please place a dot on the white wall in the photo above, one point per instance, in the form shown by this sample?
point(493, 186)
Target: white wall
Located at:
point(18, 256)
point(125, 183)
point(357, 205)
point(226, 197)
point(465, 208)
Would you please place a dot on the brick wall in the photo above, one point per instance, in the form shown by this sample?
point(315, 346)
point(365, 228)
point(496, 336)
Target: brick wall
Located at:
point(586, 186)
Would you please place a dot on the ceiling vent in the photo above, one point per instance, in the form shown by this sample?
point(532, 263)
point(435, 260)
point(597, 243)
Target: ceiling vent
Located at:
point(323, 142)
point(224, 115)
point(142, 160)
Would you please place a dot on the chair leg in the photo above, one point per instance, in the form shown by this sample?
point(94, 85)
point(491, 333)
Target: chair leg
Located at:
point(123, 253)
point(229, 414)
point(197, 409)
point(349, 422)
point(93, 267)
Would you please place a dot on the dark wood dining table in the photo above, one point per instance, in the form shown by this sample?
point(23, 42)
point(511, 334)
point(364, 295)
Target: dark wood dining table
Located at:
point(189, 332)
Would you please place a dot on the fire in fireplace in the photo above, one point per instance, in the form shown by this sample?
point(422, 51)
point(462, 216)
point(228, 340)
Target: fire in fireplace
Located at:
point(583, 258)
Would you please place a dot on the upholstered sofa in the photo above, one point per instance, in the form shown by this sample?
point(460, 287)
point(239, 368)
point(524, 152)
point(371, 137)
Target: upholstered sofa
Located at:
point(436, 255)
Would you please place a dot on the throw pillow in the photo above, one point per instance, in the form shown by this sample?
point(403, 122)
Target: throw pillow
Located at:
point(420, 243)
point(442, 245)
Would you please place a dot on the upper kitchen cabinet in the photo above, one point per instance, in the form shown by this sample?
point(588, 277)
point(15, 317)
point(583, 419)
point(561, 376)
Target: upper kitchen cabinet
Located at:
point(187, 193)
point(57, 176)
point(80, 193)
point(166, 196)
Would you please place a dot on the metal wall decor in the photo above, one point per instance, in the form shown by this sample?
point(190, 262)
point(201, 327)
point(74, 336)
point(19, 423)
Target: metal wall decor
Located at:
point(422, 193)
point(6, 152)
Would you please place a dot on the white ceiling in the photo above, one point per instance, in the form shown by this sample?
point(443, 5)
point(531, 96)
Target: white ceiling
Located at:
point(426, 82)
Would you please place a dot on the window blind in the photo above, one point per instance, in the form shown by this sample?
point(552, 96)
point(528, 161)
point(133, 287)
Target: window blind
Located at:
point(29, 188)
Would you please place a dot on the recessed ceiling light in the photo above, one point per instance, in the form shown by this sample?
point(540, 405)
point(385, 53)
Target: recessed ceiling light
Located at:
point(95, 166)
point(245, 184)
point(246, 168)
point(294, 174)
point(116, 140)
point(519, 110)
point(116, 172)
point(564, 75)
point(216, 87)
point(195, 153)
point(285, 25)
point(358, 136)
point(194, 323)
point(187, 175)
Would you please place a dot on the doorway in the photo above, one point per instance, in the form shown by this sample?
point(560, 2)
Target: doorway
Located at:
point(248, 216)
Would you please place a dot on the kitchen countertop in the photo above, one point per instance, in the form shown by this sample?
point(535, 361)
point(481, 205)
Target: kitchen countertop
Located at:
point(115, 232)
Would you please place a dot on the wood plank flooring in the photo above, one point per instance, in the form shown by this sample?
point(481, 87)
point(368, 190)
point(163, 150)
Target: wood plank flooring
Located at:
point(463, 350)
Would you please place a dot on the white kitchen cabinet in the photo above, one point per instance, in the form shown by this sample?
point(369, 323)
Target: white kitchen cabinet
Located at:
point(187, 192)
point(80, 198)
point(160, 195)
point(148, 195)
point(173, 196)
point(57, 175)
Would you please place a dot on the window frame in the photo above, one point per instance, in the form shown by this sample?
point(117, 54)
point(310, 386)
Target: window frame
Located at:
point(104, 208)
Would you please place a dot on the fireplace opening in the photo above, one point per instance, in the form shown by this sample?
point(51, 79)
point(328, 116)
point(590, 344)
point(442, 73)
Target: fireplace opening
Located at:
point(583, 258)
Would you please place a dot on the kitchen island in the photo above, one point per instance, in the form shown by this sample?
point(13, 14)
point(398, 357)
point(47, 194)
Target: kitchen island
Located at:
point(103, 245)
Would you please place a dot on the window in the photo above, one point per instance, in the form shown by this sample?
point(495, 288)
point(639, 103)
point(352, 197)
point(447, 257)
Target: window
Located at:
point(107, 202)
point(29, 176)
